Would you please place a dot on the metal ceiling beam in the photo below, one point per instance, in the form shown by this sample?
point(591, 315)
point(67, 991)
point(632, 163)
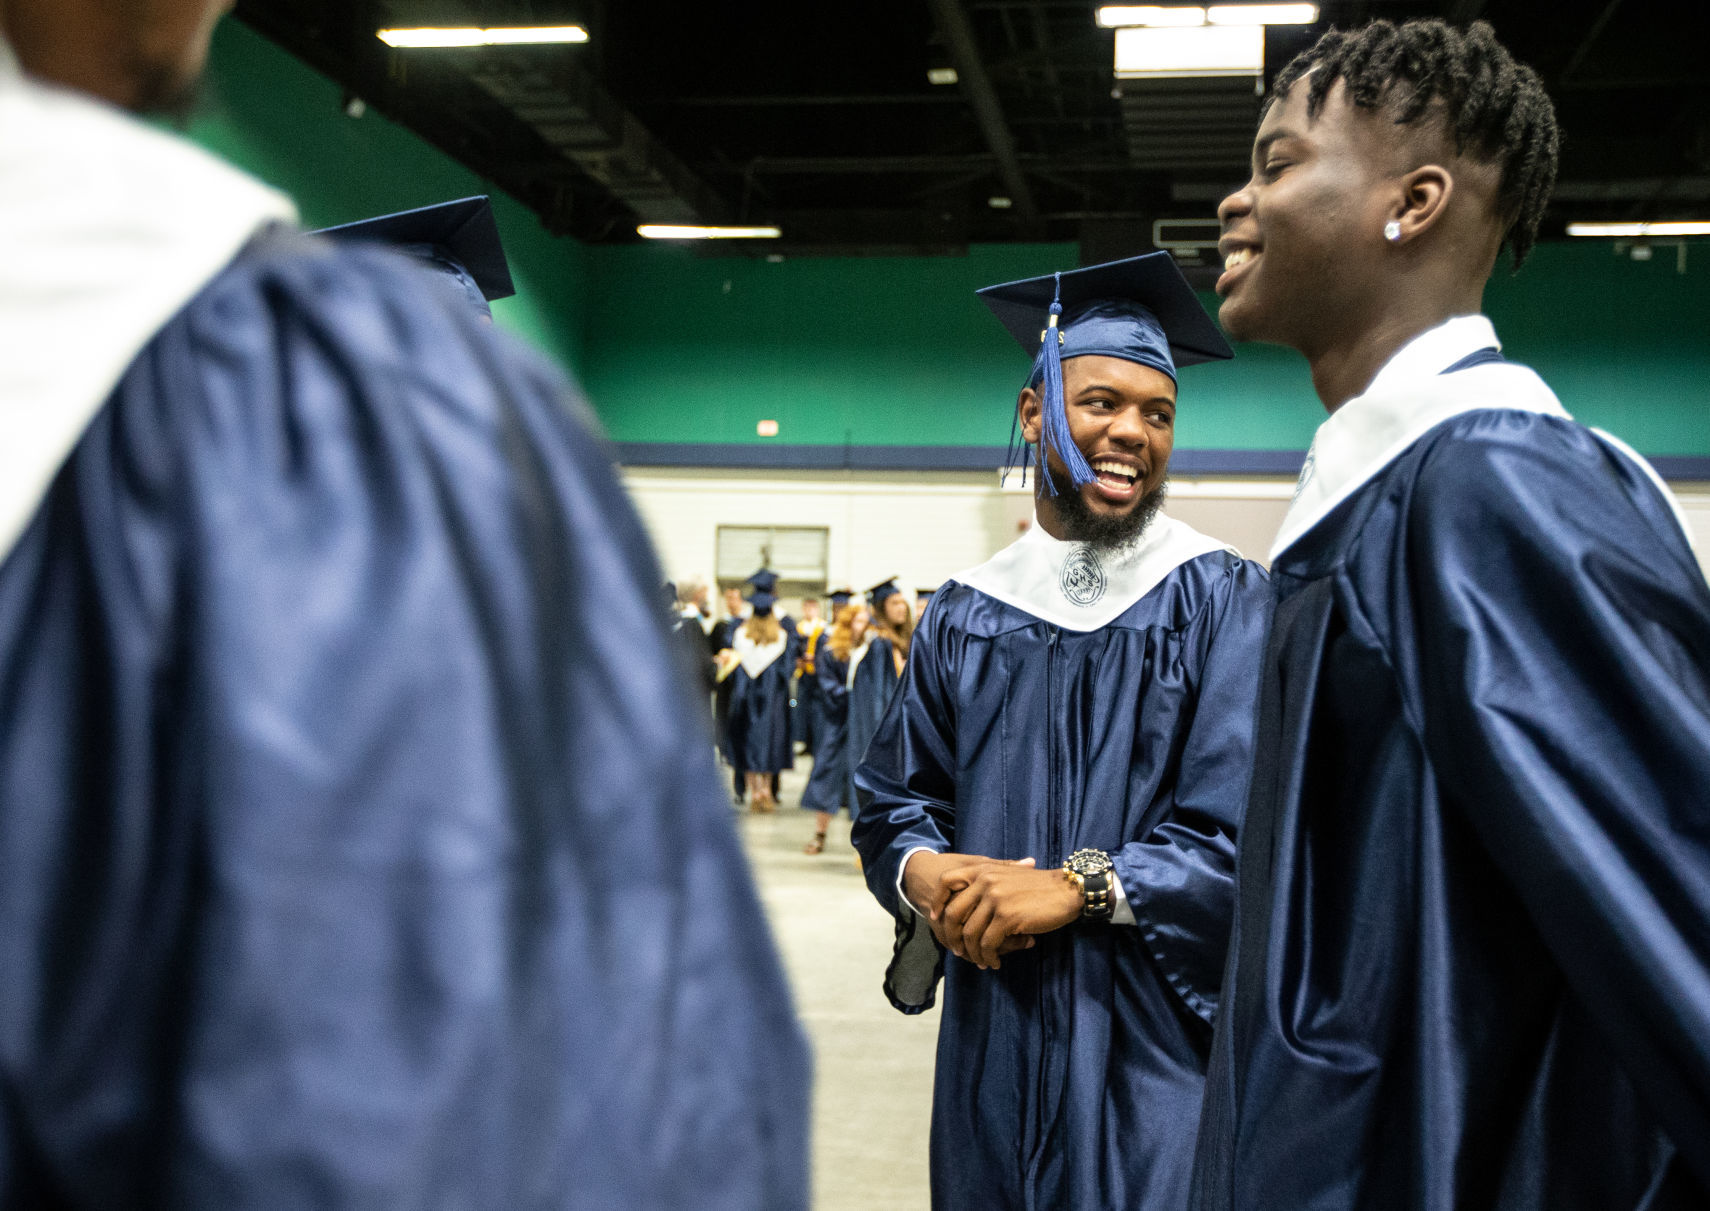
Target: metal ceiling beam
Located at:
point(1591, 37)
point(976, 85)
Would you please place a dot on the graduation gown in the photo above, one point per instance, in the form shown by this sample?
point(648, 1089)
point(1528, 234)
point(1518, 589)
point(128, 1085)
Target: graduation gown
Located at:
point(873, 678)
point(335, 696)
point(1058, 699)
point(760, 706)
point(1472, 964)
point(828, 785)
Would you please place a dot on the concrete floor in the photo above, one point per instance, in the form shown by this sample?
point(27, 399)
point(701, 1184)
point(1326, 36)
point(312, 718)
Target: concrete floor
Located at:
point(872, 1065)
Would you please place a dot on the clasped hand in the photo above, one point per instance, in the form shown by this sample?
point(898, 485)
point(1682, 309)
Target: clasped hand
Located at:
point(981, 908)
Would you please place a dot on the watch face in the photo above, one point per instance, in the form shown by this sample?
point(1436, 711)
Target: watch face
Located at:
point(1089, 862)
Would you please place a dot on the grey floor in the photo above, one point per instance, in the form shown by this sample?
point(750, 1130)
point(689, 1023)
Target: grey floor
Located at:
point(873, 1066)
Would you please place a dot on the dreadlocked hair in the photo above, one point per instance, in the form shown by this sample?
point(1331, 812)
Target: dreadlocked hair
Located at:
point(1496, 107)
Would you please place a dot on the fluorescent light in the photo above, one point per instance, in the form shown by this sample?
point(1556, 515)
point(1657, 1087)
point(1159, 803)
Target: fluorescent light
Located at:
point(941, 75)
point(1208, 50)
point(1000, 203)
point(1638, 231)
point(1114, 16)
point(656, 231)
point(521, 35)
point(1262, 14)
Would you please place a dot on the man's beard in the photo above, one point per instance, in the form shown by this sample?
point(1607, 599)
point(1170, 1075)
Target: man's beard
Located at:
point(1103, 531)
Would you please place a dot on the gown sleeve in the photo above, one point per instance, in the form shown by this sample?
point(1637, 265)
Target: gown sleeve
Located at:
point(1179, 879)
point(360, 845)
point(907, 788)
point(907, 783)
point(1563, 637)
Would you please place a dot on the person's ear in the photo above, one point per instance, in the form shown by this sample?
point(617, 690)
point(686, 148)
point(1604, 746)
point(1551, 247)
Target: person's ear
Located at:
point(1421, 204)
point(1029, 408)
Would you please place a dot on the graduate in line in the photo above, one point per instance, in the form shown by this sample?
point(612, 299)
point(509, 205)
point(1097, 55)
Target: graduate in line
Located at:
point(875, 667)
point(1472, 955)
point(827, 787)
point(1050, 806)
point(810, 631)
point(359, 846)
point(760, 702)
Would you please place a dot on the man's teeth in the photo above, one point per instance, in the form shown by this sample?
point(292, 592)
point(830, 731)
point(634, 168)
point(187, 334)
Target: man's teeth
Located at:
point(1237, 258)
point(1110, 468)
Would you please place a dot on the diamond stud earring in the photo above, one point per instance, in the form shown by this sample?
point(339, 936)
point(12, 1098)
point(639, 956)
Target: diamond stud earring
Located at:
point(1392, 230)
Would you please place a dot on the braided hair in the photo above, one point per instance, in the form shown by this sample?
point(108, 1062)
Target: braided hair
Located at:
point(1491, 105)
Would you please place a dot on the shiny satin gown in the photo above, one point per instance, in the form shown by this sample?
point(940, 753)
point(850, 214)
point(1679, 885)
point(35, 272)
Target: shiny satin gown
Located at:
point(1071, 1077)
point(334, 697)
point(1472, 955)
point(828, 785)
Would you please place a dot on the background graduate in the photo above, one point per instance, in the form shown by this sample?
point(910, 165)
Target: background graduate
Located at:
point(1086, 694)
point(1472, 964)
point(337, 701)
point(827, 787)
point(875, 667)
point(760, 702)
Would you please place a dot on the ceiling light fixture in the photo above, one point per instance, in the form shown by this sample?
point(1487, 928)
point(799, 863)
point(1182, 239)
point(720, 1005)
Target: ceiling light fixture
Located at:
point(1115, 16)
point(941, 75)
point(522, 35)
point(1120, 16)
point(658, 231)
point(1207, 50)
point(1000, 203)
point(1639, 231)
point(1262, 14)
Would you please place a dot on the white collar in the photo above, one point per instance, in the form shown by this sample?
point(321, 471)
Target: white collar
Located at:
point(111, 228)
point(1074, 586)
point(1408, 397)
point(756, 658)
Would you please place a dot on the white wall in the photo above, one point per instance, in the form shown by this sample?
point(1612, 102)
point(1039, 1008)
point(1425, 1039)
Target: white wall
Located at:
point(923, 528)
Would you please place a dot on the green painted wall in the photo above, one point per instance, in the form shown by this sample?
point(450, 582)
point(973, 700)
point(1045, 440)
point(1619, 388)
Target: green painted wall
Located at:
point(898, 351)
point(679, 347)
point(274, 117)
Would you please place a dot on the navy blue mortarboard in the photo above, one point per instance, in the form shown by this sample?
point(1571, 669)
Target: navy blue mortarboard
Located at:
point(458, 239)
point(1140, 309)
point(885, 588)
point(840, 597)
point(764, 581)
point(762, 603)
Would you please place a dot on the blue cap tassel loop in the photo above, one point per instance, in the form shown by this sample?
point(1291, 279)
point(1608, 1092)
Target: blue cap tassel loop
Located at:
point(1054, 434)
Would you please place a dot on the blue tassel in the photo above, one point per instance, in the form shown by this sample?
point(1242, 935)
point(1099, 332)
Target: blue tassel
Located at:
point(1054, 433)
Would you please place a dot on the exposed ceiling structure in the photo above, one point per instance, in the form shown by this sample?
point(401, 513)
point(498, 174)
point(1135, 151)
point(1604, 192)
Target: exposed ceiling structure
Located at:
point(819, 117)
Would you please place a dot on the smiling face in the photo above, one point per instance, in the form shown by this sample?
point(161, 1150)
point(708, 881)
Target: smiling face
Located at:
point(1303, 245)
point(1122, 416)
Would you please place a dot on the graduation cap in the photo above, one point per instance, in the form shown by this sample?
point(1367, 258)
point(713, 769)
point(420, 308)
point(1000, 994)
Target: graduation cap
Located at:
point(764, 581)
point(458, 239)
point(762, 603)
point(885, 588)
point(1140, 309)
point(840, 597)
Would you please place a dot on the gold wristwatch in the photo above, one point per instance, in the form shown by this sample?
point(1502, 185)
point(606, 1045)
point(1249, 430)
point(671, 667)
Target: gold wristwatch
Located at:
point(1091, 870)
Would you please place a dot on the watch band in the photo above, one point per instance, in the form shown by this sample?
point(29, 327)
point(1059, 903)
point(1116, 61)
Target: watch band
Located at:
point(1091, 871)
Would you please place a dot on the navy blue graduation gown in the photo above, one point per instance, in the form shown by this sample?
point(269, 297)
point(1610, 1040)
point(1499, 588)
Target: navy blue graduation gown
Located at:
point(760, 717)
point(336, 712)
point(875, 679)
point(1472, 963)
point(1071, 1077)
point(828, 785)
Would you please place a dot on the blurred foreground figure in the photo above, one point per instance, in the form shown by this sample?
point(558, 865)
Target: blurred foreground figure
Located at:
point(356, 847)
point(1471, 962)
